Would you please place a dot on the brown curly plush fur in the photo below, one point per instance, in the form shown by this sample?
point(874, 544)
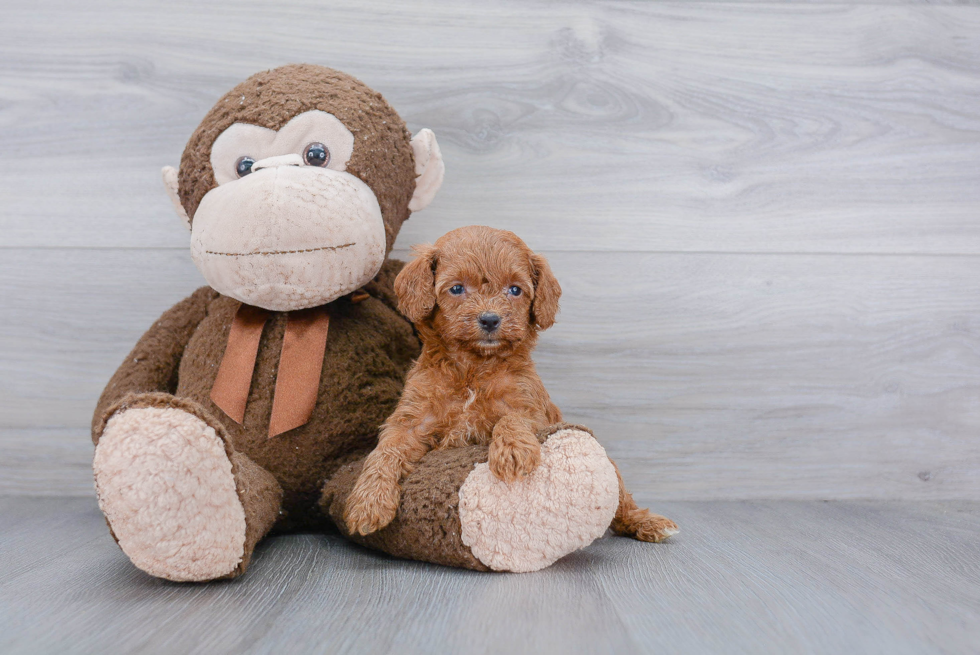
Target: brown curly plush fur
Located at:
point(382, 157)
point(369, 348)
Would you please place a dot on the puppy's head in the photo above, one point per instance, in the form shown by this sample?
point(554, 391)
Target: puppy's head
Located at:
point(479, 289)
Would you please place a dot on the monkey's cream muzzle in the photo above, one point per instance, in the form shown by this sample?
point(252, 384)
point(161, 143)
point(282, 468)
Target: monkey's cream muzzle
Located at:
point(288, 236)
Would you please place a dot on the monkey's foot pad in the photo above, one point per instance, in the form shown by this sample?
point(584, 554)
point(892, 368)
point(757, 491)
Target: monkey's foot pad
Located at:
point(565, 504)
point(165, 485)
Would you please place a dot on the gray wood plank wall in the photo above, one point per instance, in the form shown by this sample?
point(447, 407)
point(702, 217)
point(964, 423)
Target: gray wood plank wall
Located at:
point(765, 217)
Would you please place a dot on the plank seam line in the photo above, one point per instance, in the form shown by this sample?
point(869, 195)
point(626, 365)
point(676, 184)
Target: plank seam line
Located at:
point(753, 253)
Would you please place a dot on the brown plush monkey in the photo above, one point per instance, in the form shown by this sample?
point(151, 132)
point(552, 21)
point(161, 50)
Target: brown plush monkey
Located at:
point(250, 405)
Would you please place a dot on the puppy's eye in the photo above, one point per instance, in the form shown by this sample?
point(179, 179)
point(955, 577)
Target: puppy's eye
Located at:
point(456, 289)
point(244, 165)
point(514, 290)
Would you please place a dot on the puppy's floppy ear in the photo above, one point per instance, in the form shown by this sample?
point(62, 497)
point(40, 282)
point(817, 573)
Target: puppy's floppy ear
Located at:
point(416, 285)
point(547, 291)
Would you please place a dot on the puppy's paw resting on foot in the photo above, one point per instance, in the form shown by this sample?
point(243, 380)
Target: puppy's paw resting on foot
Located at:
point(644, 526)
point(566, 503)
point(372, 504)
point(514, 456)
point(165, 484)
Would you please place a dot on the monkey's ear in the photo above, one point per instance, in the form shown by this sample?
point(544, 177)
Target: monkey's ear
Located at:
point(547, 291)
point(429, 169)
point(416, 285)
point(170, 181)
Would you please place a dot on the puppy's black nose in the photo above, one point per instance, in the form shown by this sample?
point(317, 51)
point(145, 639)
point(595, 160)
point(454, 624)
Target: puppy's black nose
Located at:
point(489, 322)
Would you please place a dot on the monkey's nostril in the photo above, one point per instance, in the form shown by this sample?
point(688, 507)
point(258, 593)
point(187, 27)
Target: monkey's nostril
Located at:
point(488, 321)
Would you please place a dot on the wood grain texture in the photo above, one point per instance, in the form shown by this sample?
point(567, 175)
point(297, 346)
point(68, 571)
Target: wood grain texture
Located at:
point(764, 215)
point(760, 577)
point(583, 126)
point(705, 375)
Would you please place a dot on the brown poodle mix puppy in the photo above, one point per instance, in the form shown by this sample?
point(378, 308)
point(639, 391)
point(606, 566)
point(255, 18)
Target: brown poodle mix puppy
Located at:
point(478, 298)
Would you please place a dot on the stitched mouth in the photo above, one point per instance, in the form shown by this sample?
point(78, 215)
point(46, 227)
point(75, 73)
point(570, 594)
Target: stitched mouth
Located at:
point(276, 252)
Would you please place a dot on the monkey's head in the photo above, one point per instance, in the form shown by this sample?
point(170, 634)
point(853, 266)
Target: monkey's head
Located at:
point(295, 185)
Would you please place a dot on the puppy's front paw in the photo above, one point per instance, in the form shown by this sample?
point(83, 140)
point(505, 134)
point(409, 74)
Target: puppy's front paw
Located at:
point(642, 525)
point(371, 507)
point(512, 458)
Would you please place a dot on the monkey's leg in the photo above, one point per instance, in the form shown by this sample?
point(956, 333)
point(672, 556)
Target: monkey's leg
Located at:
point(454, 511)
point(180, 501)
point(641, 524)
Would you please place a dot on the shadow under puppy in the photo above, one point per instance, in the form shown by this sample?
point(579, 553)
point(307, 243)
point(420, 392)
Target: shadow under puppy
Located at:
point(478, 298)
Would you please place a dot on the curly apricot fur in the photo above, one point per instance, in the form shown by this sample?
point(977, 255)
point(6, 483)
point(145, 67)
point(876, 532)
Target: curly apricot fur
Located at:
point(471, 386)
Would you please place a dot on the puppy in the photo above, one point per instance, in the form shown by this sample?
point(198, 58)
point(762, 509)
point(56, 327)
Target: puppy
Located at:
point(478, 298)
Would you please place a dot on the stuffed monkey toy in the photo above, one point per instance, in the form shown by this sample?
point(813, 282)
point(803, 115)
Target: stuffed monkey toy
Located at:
point(249, 407)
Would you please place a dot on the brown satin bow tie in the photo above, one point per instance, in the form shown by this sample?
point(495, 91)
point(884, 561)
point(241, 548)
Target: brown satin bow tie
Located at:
point(300, 365)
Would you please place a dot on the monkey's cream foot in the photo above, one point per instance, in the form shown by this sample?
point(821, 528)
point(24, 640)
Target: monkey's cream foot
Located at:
point(565, 504)
point(167, 488)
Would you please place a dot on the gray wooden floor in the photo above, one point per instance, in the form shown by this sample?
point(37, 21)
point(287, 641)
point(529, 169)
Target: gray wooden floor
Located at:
point(741, 577)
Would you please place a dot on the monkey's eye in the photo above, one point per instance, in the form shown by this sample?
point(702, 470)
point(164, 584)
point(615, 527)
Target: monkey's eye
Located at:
point(316, 154)
point(244, 165)
point(514, 290)
point(456, 289)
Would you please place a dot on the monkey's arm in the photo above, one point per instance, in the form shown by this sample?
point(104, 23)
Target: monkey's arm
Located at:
point(153, 363)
